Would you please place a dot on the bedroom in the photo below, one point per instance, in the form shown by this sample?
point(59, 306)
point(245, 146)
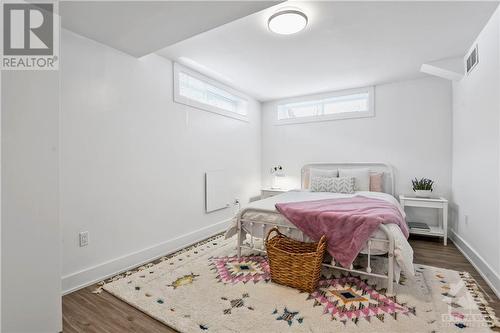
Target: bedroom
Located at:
point(115, 159)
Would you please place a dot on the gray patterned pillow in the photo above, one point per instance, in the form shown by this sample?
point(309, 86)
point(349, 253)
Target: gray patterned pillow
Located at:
point(332, 184)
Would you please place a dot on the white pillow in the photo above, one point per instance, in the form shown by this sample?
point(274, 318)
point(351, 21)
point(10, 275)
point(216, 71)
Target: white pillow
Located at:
point(323, 173)
point(332, 184)
point(320, 173)
point(361, 176)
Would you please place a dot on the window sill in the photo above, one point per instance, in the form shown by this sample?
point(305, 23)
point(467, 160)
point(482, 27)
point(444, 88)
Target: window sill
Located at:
point(209, 108)
point(343, 116)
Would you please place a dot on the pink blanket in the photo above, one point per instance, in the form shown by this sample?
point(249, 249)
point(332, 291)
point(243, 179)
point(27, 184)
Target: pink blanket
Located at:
point(347, 222)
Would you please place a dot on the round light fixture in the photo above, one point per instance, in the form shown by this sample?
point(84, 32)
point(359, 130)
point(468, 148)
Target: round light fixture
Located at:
point(287, 22)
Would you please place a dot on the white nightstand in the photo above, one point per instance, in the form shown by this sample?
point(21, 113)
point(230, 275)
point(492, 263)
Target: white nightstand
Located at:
point(271, 192)
point(438, 202)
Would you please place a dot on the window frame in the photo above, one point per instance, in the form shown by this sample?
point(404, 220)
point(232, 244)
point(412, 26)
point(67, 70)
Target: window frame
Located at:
point(178, 98)
point(317, 97)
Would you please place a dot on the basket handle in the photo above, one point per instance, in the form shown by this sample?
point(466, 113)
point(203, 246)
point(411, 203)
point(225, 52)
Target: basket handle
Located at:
point(321, 242)
point(275, 229)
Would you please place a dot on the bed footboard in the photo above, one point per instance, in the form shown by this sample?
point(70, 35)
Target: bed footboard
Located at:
point(252, 225)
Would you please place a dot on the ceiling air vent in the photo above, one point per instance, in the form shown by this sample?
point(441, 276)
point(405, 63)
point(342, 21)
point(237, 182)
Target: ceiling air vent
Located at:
point(472, 60)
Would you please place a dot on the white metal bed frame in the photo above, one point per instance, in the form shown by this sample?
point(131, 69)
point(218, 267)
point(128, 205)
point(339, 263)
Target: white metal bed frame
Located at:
point(388, 187)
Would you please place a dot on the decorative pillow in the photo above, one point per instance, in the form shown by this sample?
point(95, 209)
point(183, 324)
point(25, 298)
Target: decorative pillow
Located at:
point(319, 173)
point(376, 181)
point(323, 172)
point(332, 184)
point(361, 176)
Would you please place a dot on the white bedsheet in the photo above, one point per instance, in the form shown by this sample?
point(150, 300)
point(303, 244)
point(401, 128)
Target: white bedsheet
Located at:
point(403, 251)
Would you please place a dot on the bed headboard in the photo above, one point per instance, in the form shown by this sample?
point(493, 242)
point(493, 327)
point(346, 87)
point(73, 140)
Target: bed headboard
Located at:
point(389, 183)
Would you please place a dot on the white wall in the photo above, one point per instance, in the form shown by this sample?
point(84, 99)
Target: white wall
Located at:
point(411, 130)
point(31, 285)
point(476, 153)
point(133, 161)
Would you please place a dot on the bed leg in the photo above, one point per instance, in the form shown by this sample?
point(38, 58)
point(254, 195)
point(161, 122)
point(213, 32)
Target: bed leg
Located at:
point(390, 268)
point(390, 260)
point(390, 275)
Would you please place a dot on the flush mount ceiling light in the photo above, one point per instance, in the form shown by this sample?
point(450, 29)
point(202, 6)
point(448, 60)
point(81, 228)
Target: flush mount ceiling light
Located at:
point(287, 22)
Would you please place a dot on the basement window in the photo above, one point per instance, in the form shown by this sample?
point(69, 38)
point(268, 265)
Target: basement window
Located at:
point(346, 104)
point(201, 92)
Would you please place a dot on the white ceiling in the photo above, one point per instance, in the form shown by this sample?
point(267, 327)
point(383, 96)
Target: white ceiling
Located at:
point(141, 27)
point(345, 45)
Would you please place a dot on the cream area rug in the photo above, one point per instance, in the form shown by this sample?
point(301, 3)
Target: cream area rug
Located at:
point(206, 288)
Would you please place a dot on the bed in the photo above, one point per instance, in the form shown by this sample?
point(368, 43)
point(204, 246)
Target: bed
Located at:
point(257, 218)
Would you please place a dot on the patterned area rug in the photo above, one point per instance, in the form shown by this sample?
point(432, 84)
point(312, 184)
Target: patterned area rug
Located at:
point(206, 288)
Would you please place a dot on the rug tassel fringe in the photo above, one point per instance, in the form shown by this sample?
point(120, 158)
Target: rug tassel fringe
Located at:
point(476, 290)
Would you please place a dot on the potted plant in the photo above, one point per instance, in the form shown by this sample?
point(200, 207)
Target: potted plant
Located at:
point(422, 187)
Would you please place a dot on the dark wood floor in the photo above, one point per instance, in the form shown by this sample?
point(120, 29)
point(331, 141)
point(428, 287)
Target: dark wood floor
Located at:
point(87, 312)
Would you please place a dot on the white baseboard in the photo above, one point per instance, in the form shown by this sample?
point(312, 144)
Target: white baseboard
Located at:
point(487, 273)
point(91, 275)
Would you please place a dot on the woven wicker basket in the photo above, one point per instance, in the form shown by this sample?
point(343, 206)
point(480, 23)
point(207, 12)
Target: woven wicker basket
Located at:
point(293, 263)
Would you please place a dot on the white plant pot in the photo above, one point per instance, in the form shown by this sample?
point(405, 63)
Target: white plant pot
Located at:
point(423, 193)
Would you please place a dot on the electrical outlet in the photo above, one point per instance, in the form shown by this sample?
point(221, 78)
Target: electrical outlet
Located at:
point(466, 219)
point(84, 238)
